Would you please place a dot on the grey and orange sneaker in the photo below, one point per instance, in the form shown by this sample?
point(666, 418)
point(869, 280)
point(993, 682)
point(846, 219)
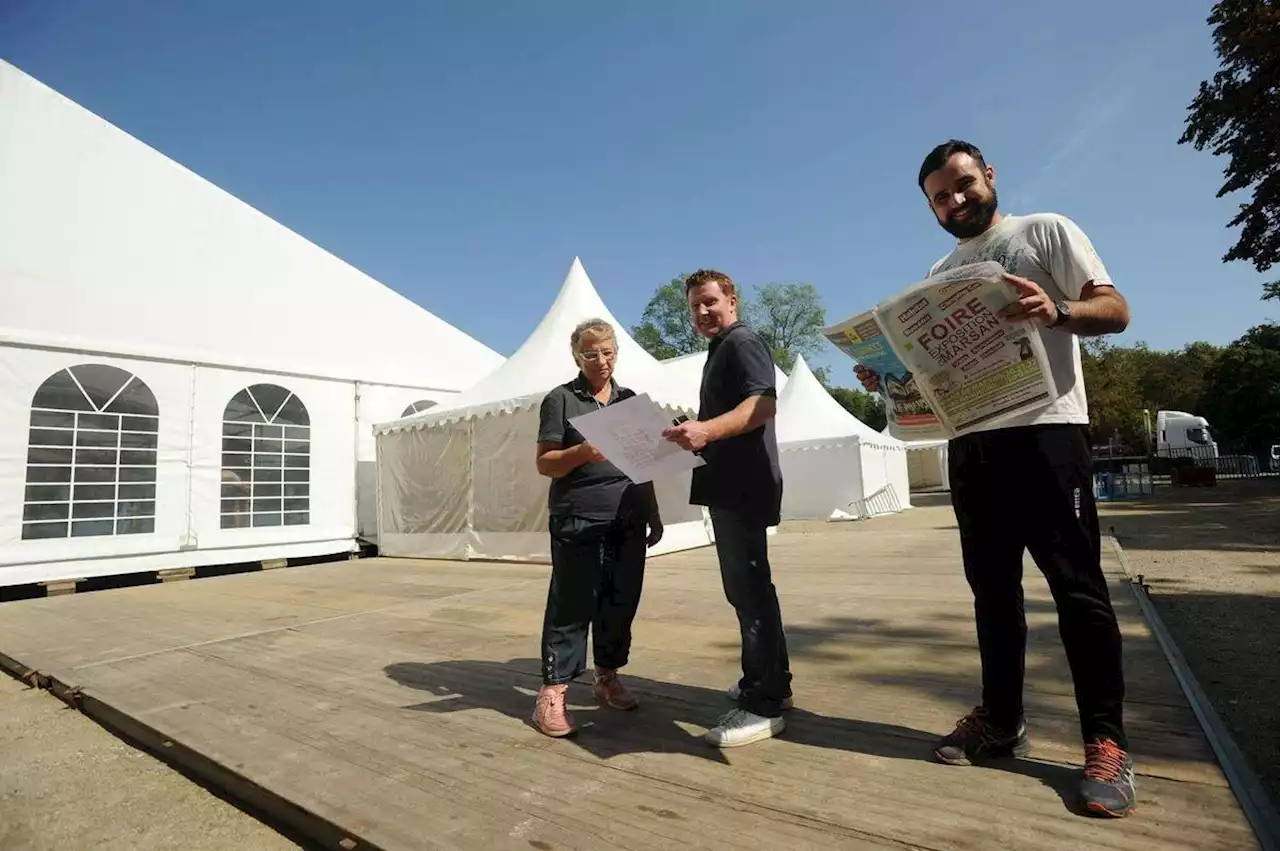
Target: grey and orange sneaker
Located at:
point(1107, 788)
point(976, 739)
point(550, 715)
point(610, 691)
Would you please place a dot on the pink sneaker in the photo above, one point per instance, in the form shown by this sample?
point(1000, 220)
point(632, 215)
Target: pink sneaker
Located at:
point(550, 715)
point(611, 692)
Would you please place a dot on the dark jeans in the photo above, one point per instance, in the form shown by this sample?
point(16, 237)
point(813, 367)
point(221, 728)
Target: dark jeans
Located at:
point(597, 569)
point(1030, 488)
point(744, 568)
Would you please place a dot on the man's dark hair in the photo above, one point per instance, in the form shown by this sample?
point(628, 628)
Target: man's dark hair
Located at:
point(938, 157)
point(709, 276)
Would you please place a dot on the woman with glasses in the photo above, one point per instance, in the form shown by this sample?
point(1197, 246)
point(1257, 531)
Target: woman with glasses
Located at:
point(597, 520)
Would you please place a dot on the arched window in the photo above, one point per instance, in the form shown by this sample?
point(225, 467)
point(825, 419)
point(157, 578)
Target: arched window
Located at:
point(266, 459)
point(417, 407)
point(91, 455)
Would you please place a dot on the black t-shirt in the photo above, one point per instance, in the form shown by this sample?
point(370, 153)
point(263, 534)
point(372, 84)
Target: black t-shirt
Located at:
point(596, 491)
point(741, 473)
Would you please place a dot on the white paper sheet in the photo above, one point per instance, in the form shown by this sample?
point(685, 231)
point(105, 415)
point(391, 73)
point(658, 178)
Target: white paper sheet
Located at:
point(629, 434)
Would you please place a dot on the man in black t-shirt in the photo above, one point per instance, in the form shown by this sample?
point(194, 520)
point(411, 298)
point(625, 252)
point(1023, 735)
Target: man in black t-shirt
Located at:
point(741, 485)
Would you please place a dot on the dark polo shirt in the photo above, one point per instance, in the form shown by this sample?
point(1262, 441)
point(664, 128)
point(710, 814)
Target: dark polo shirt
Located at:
point(596, 491)
point(741, 473)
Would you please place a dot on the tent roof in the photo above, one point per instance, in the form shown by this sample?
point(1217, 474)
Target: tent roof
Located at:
point(544, 361)
point(107, 245)
point(687, 370)
point(806, 411)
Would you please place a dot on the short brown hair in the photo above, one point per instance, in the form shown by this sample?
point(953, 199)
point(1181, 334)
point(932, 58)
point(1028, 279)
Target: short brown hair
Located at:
point(709, 276)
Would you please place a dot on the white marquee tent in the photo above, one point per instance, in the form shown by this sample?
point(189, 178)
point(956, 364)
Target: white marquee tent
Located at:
point(188, 382)
point(686, 371)
point(927, 464)
point(459, 481)
point(833, 465)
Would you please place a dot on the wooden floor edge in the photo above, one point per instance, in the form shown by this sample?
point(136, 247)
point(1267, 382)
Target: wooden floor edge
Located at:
point(296, 823)
point(1257, 805)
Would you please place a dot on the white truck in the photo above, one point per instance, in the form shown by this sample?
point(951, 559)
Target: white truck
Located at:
point(1181, 434)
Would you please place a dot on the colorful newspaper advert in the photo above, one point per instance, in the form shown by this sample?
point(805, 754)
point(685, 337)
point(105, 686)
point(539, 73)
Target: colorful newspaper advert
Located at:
point(957, 359)
point(910, 416)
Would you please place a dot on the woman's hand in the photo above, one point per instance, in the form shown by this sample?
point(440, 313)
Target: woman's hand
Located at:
point(655, 531)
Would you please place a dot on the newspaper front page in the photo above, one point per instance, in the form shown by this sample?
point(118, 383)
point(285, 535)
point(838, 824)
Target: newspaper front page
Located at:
point(948, 364)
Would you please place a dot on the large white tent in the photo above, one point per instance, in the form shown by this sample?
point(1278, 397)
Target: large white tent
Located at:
point(459, 481)
point(686, 372)
point(188, 382)
point(834, 466)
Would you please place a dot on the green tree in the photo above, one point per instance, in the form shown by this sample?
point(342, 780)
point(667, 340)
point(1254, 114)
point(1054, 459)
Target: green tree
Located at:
point(1123, 380)
point(790, 318)
point(1242, 402)
point(665, 330)
point(868, 407)
point(1237, 115)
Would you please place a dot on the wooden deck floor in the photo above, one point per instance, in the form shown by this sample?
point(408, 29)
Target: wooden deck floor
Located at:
point(391, 697)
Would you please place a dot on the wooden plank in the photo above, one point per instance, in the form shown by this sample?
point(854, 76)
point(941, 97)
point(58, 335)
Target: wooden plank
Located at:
point(392, 698)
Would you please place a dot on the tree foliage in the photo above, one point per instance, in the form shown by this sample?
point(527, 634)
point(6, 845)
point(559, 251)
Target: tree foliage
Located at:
point(867, 407)
point(1242, 401)
point(1237, 115)
point(1124, 380)
point(665, 330)
point(790, 318)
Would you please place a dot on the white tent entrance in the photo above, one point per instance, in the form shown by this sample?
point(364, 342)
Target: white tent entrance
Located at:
point(459, 482)
point(834, 466)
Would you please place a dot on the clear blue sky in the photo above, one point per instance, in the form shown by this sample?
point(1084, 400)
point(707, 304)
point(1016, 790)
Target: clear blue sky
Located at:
point(463, 152)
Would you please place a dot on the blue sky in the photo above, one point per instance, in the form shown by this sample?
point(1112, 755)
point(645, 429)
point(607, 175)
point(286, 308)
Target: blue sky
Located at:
point(463, 152)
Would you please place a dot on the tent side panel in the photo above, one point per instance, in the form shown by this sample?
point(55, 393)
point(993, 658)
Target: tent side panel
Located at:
point(272, 461)
point(425, 481)
point(93, 460)
point(510, 494)
point(820, 478)
point(379, 404)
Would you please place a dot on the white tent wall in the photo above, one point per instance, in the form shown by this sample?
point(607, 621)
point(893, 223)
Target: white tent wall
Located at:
point(83, 479)
point(377, 403)
point(819, 477)
point(927, 466)
point(459, 481)
point(833, 464)
point(468, 489)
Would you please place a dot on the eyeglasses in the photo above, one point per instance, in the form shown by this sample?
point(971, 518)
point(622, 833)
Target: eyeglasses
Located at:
point(607, 354)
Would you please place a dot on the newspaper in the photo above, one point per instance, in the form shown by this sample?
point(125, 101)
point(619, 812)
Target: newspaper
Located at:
point(948, 364)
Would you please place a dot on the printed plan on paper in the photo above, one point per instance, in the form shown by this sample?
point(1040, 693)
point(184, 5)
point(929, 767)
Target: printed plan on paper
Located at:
point(629, 434)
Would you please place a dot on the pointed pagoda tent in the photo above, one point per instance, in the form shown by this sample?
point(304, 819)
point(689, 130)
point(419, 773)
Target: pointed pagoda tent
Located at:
point(686, 371)
point(834, 466)
point(190, 382)
point(458, 481)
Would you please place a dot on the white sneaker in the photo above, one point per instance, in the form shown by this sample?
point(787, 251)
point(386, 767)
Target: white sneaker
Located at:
point(739, 727)
point(735, 693)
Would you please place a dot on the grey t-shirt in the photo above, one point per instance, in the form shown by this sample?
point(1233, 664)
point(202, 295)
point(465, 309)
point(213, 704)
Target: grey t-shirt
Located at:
point(596, 491)
point(1053, 251)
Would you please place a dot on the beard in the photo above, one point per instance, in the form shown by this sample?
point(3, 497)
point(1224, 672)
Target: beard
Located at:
point(979, 219)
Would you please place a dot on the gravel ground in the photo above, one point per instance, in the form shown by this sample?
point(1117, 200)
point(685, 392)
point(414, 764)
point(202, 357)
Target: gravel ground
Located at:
point(66, 783)
point(1211, 557)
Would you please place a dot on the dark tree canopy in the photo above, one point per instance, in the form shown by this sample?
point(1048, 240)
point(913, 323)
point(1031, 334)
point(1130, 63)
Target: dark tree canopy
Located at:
point(1237, 115)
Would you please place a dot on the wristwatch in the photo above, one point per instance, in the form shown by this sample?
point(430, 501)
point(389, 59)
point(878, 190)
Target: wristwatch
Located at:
point(1064, 313)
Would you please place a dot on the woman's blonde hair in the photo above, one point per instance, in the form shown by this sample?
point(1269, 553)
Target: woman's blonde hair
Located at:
point(597, 327)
